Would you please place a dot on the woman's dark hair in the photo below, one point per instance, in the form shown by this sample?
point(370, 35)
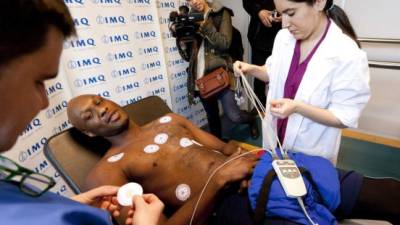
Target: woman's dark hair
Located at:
point(24, 25)
point(338, 16)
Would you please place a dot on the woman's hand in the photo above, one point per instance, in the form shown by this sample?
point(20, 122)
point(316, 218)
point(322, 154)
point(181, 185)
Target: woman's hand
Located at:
point(103, 197)
point(240, 68)
point(146, 210)
point(283, 108)
point(265, 17)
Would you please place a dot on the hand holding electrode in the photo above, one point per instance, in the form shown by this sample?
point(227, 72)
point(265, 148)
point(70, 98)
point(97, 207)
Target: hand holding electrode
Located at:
point(146, 209)
point(283, 108)
point(127, 192)
point(103, 197)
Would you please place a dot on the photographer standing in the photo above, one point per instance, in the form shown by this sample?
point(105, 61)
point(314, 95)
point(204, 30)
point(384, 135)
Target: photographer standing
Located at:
point(213, 40)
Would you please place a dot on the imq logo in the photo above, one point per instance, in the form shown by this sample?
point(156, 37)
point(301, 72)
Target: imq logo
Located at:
point(33, 125)
point(90, 81)
point(167, 35)
point(83, 63)
point(184, 109)
point(142, 18)
point(80, 43)
point(139, 2)
point(176, 62)
point(125, 72)
point(107, 2)
point(115, 39)
point(60, 128)
point(145, 35)
point(42, 166)
point(81, 22)
point(149, 50)
point(74, 2)
point(105, 94)
point(131, 100)
point(153, 79)
point(171, 49)
point(180, 87)
point(166, 5)
point(180, 99)
point(56, 109)
point(178, 75)
point(199, 112)
point(127, 87)
point(110, 20)
point(33, 150)
point(120, 56)
point(54, 89)
point(151, 65)
point(201, 122)
point(158, 91)
point(163, 20)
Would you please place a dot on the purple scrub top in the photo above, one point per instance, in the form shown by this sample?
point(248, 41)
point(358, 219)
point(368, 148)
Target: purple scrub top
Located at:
point(295, 75)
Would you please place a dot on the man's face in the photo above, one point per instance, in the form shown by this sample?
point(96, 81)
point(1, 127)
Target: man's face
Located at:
point(97, 116)
point(197, 5)
point(22, 90)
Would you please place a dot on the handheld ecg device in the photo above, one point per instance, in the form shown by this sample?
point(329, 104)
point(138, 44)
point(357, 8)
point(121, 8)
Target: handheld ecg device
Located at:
point(126, 193)
point(290, 178)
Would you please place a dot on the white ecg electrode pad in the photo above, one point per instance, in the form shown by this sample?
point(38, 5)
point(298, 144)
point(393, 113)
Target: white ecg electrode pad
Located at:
point(165, 119)
point(115, 158)
point(126, 192)
point(151, 148)
point(161, 138)
point(185, 142)
point(182, 192)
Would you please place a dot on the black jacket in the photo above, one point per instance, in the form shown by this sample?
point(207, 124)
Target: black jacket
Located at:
point(260, 36)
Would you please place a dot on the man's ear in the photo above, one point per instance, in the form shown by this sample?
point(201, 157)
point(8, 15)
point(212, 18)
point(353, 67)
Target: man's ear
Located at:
point(88, 133)
point(320, 5)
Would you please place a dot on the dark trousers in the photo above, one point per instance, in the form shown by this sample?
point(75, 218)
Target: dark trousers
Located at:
point(258, 57)
point(361, 198)
point(231, 110)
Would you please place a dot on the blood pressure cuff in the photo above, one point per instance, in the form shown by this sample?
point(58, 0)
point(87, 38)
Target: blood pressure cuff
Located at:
point(323, 191)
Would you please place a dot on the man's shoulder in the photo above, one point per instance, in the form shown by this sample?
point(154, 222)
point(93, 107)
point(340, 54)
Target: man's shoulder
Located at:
point(169, 117)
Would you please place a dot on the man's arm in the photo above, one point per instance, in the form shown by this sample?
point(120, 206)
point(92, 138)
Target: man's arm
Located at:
point(234, 171)
point(102, 174)
point(207, 139)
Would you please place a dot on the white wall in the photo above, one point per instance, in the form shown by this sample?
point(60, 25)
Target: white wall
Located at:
point(379, 19)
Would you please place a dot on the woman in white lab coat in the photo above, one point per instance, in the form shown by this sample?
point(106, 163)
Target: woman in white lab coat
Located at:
point(318, 77)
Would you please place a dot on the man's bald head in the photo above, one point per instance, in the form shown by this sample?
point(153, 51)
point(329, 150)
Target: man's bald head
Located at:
point(96, 116)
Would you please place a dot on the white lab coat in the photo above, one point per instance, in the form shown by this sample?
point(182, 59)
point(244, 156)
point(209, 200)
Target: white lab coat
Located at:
point(337, 79)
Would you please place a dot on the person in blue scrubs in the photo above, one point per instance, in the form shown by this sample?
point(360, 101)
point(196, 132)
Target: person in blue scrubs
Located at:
point(31, 39)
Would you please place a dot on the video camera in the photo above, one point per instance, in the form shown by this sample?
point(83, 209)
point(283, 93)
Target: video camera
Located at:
point(183, 23)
